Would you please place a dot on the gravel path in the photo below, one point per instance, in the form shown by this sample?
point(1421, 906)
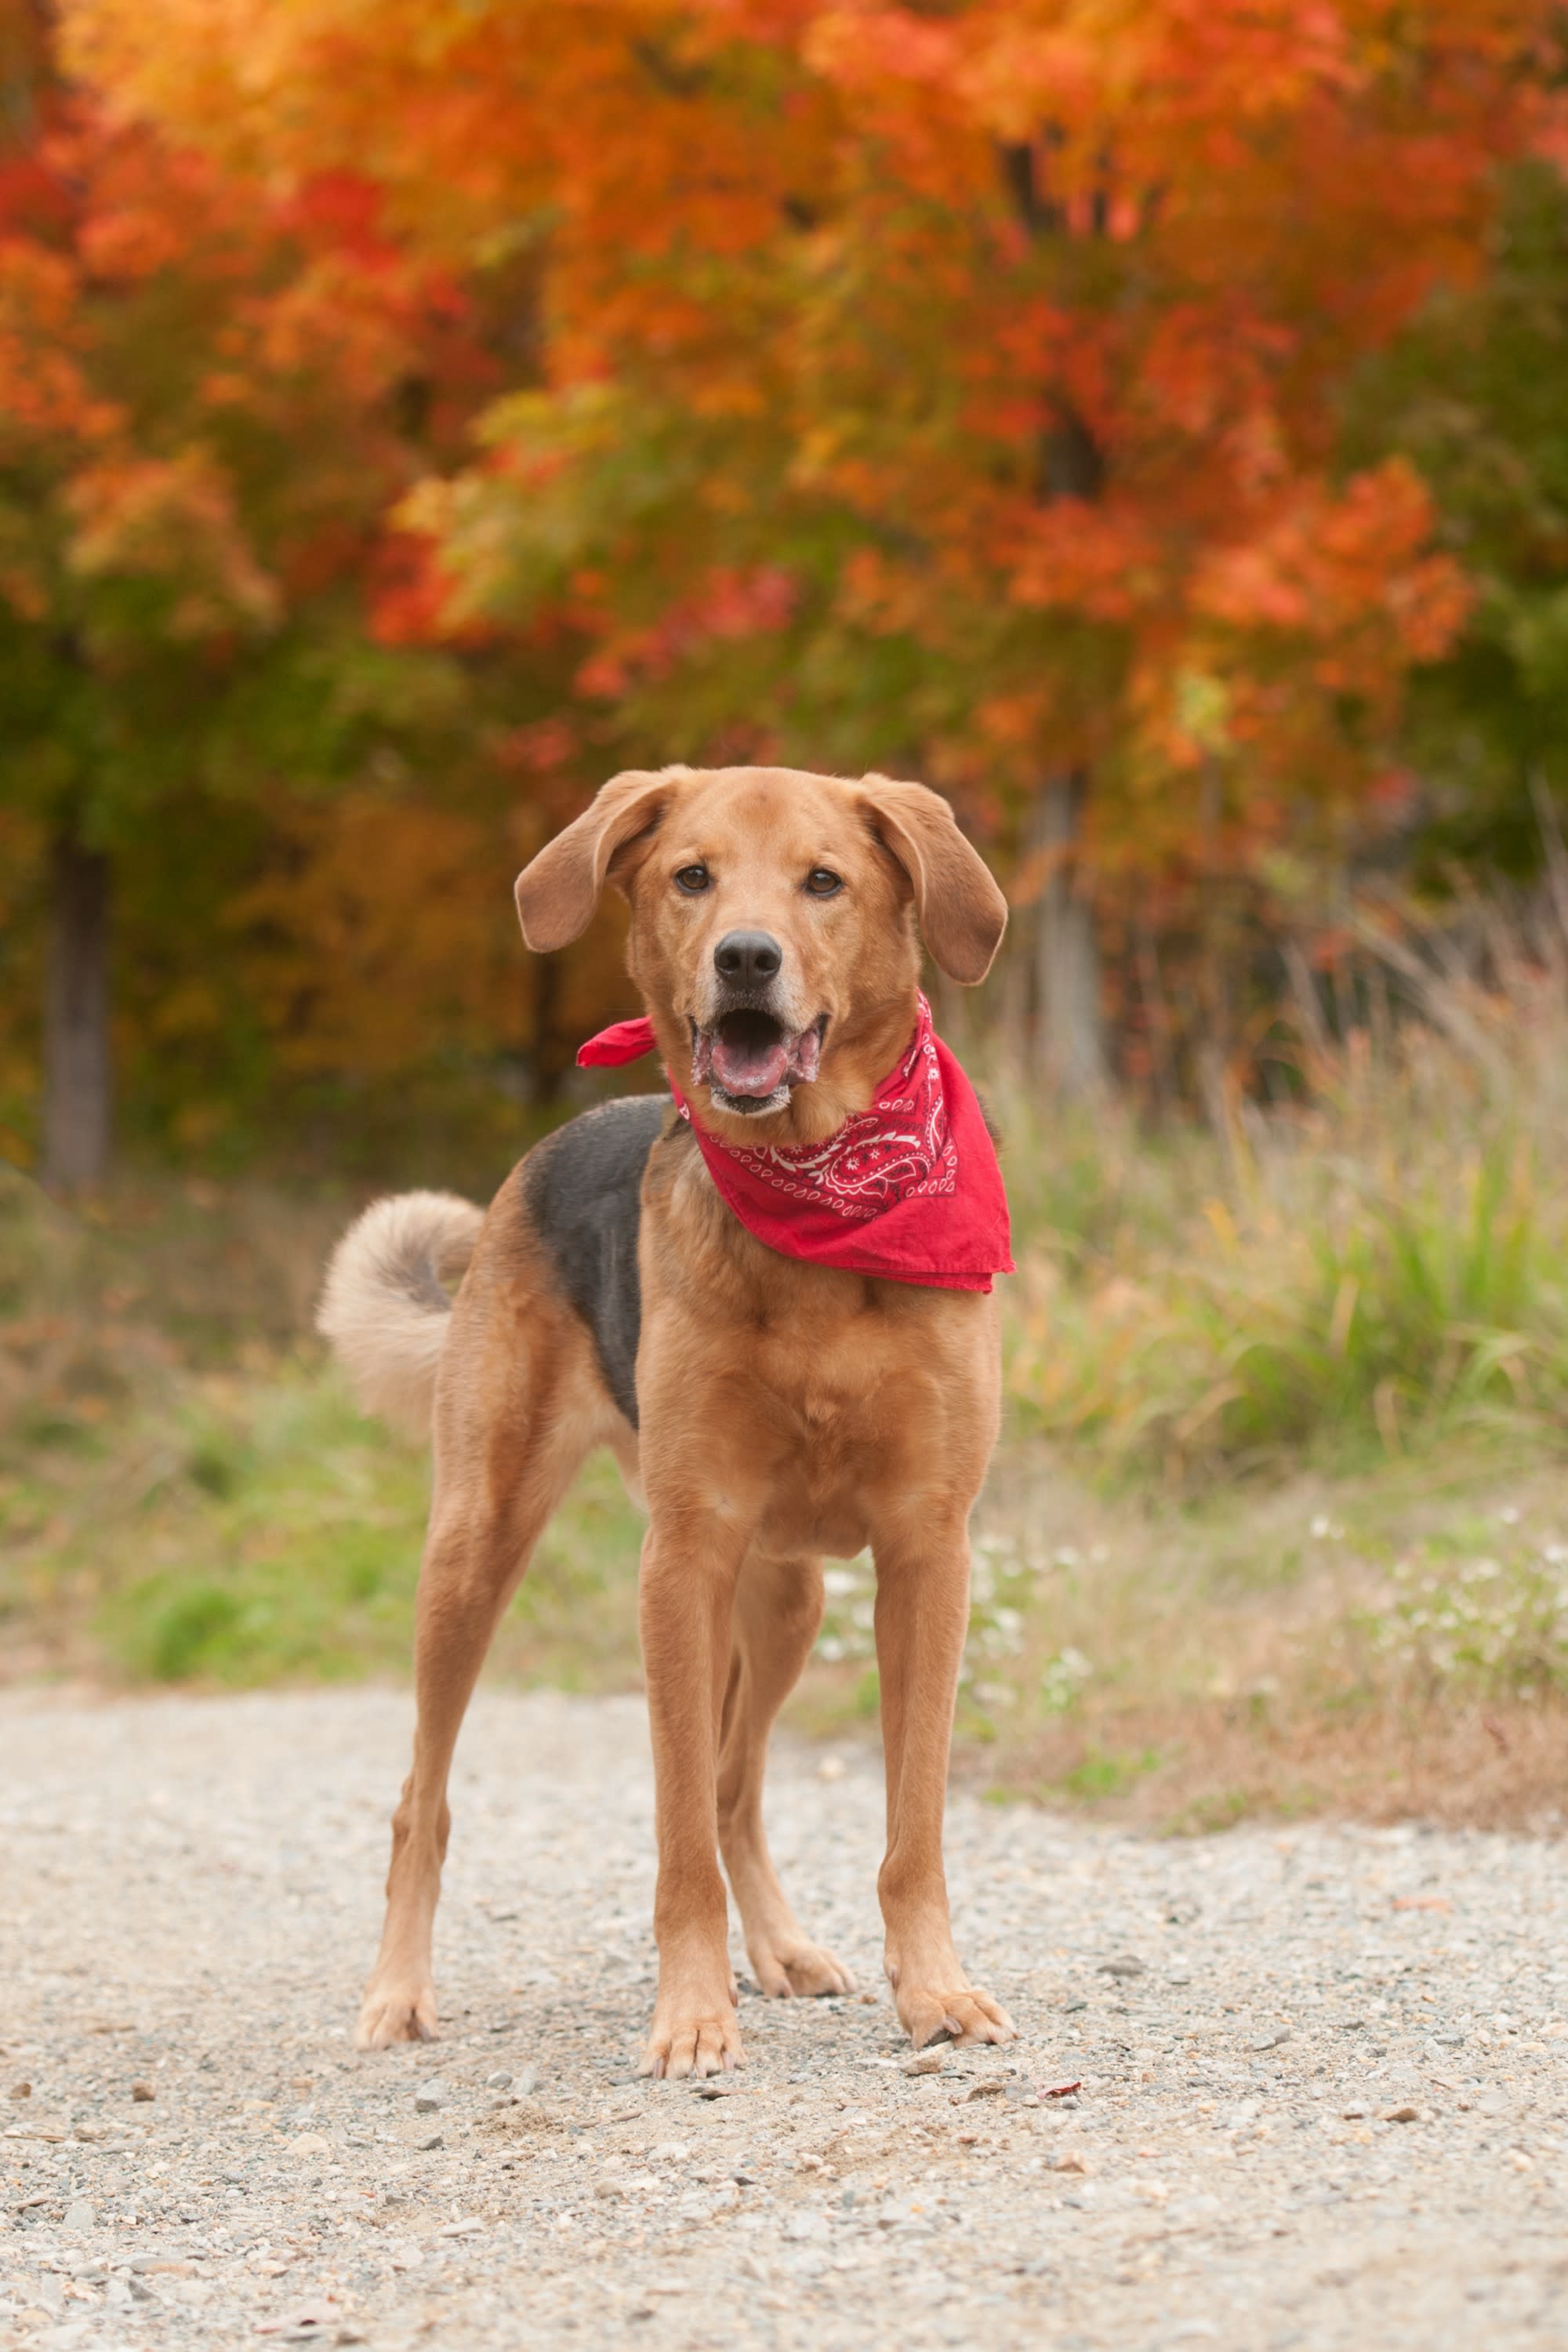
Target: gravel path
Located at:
point(192, 1897)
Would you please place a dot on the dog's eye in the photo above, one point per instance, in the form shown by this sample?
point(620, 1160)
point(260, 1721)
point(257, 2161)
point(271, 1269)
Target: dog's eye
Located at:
point(692, 879)
point(822, 882)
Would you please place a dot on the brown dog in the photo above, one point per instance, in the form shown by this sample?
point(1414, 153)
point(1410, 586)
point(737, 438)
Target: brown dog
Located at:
point(774, 1411)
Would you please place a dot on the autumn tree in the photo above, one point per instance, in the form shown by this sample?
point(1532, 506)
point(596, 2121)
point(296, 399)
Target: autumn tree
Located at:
point(956, 388)
point(211, 393)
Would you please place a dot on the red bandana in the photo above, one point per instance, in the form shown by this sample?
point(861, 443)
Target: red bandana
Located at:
point(909, 1190)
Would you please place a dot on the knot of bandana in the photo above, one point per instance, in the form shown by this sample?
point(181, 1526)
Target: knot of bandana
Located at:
point(909, 1188)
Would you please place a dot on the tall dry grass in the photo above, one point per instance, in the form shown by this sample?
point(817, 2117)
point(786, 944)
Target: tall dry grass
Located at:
point(1373, 1264)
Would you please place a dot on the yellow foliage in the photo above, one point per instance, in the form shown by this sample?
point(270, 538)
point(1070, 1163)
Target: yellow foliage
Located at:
point(385, 935)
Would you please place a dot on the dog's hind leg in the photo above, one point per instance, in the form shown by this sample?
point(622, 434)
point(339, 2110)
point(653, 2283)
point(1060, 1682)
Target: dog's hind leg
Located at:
point(778, 1609)
point(516, 1410)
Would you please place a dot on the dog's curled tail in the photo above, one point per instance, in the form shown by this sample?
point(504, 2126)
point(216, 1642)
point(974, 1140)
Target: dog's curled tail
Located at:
point(386, 1300)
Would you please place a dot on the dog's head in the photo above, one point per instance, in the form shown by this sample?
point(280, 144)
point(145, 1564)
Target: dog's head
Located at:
point(774, 926)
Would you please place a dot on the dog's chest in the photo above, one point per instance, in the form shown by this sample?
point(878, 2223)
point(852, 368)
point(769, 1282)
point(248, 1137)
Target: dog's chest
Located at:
point(840, 1424)
point(821, 1396)
point(831, 1373)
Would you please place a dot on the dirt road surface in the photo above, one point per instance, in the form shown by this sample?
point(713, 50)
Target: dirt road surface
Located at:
point(1321, 2071)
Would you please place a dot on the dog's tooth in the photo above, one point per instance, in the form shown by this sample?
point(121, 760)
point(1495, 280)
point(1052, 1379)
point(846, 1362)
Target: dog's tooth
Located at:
point(806, 1055)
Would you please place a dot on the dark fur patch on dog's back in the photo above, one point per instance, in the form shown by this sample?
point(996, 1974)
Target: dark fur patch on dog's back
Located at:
point(582, 1187)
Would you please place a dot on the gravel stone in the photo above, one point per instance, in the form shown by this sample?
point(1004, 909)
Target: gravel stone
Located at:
point(1205, 2148)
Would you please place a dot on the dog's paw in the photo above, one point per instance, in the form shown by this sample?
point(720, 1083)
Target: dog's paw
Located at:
point(692, 2044)
point(395, 2013)
point(796, 1970)
point(963, 2014)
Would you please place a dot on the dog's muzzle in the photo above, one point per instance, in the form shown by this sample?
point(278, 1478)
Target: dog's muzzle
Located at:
point(749, 1061)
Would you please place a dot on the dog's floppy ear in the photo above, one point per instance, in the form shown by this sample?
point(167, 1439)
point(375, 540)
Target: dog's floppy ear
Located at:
point(958, 904)
point(558, 890)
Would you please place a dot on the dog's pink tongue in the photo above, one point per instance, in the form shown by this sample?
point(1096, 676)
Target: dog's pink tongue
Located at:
point(750, 1068)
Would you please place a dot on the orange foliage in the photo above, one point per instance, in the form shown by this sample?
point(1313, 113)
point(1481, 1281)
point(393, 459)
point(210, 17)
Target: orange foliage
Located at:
point(978, 329)
point(195, 374)
point(213, 391)
point(956, 385)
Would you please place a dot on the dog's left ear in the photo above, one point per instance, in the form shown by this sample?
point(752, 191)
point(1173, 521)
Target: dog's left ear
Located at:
point(958, 904)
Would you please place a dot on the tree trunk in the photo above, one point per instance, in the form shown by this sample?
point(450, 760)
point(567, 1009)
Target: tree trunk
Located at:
point(78, 1080)
point(1070, 1043)
point(1070, 464)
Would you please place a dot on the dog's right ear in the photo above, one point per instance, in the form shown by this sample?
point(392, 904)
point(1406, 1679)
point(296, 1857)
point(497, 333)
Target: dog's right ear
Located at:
point(558, 890)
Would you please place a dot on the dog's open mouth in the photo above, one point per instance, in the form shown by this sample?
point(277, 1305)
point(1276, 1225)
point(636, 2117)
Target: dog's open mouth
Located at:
point(749, 1061)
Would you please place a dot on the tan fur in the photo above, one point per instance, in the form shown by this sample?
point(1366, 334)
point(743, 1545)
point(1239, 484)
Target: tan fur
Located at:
point(385, 1305)
point(787, 1411)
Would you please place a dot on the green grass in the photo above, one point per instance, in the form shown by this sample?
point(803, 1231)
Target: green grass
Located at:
point(279, 1539)
point(1099, 1775)
point(212, 1507)
point(271, 1534)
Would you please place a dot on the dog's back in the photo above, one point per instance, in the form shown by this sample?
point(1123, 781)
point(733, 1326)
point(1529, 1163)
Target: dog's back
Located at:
point(582, 1189)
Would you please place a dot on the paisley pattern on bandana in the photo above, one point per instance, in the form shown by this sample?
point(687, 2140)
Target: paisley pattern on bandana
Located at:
point(900, 1148)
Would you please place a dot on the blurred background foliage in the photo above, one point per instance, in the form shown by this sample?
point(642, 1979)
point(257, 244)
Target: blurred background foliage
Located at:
point(1141, 427)
point(1144, 426)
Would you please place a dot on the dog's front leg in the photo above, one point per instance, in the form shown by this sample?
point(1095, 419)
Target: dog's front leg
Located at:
point(923, 1617)
point(686, 1598)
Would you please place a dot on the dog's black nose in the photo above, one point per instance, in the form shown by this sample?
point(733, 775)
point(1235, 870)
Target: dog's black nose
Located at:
point(748, 957)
